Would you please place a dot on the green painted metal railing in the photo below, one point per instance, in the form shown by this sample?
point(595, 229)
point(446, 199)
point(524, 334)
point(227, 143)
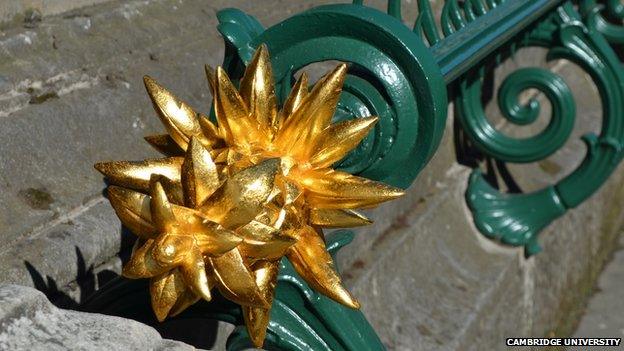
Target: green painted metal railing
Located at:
point(405, 76)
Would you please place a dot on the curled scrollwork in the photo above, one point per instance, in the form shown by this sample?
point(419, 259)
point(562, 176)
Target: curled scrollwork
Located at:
point(594, 13)
point(502, 147)
point(391, 75)
point(516, 219)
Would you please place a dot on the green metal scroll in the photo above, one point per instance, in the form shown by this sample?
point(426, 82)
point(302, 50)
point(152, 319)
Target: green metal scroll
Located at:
point(597, 14)
point(392, 75)
point(517, 219)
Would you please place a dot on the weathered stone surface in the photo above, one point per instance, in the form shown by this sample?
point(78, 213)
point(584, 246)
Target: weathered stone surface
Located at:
point(71, 95)
point(605, 312)
point(28, 321)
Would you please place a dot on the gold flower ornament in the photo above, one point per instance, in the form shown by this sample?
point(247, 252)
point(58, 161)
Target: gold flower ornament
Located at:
point(230, 200)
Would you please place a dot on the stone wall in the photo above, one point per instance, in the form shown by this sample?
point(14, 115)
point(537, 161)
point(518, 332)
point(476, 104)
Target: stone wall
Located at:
point(71, 94)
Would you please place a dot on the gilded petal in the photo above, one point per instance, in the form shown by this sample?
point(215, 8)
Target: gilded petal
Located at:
point(338, 218)
point(136, 175)
point(142, 264)
point(200, 177)
point(171, 249)
point(262, 241)
point(235, 122)
point(338, 139)
point(257, 89)
point(211, 132)
point(213, 239)
point(335, 189)
point(162, 213)
point(194, 273)
point(291, 191)
point(165, 290)
point(242, 196)
point(210, 76)
point(236, 281)
point(257, 318)
point(300, 130)
point(297, 95)
point(180, 120)
point(187, 299)
point(165, 144)
point(133, 209)
point(311, 260)
point(173, 189)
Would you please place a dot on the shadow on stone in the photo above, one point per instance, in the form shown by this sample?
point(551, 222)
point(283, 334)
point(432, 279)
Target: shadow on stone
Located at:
point(121, 297)
point(86, 281)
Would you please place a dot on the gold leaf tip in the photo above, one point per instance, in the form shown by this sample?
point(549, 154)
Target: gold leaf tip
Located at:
point(100, 167)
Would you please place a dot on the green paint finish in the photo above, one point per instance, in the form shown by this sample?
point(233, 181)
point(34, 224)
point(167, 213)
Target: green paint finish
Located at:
point(302, 319)
point(592, 12)
point(391, 75)
point(502, 147)
point(465, 47)
point(516, 219)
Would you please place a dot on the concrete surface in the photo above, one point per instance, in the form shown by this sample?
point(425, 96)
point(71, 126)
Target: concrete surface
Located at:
point(71, 94)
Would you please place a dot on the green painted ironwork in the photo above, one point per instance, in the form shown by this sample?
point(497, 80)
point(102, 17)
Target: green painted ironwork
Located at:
point(594, 17)
point(517, 219)
point(392, 75)
point(402, 74)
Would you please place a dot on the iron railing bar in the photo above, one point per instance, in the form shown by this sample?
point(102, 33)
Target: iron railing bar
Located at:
point(463, 49)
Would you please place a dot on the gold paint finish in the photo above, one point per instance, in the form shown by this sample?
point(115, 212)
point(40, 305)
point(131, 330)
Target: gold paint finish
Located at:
point(230, 200)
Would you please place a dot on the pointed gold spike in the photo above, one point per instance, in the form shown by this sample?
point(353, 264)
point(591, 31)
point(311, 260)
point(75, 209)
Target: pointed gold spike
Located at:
point(235, 123)
point(194, 273)
point(315, 114)
point(173, 190)
point(258, 89)
point(180, 120)
point(211, 132)
point(243, 195)
point(187, 299)
point(291, 191)
point(263, 242)
point(136, 175)
point(165, 290)
point(214, 240)
point(335, 189)
point(210, 76)
point(141, 263)
point(257, 318)
point(297, 95)
point(165, 144)
point(133, 209)
point(313, 263)
point(162, 213)
point(236, 281)
point(200, 177)
point(337, 218)
point(338, 140)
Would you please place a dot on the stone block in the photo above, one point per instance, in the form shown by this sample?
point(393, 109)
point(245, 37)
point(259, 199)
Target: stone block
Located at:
point(28, 321)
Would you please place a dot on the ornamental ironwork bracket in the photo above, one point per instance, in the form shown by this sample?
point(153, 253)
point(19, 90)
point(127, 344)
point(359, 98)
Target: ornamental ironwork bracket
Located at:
point(406, 76)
